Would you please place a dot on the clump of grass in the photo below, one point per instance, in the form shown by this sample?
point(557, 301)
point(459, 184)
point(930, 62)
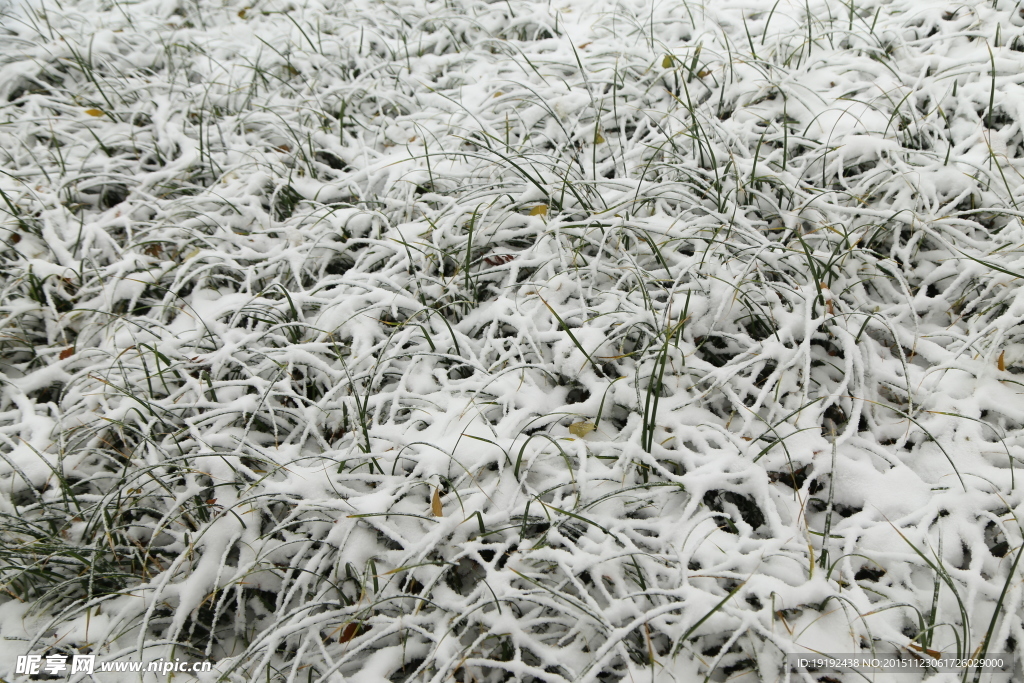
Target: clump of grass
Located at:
point(479, 342)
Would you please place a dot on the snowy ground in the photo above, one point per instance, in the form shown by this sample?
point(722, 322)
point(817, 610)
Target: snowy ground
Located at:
point(586, 341)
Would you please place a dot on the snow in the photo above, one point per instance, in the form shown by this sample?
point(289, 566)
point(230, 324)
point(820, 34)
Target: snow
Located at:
point(280, 277)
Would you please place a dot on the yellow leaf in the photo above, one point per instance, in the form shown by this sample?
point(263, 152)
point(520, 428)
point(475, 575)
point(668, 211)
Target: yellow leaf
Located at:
point(667, 62)
point(931, 653)
point(435, 504)
point(703, 73)
point(581, 429)
point(539, 210)
point(1002, 360)
point(241, 14)
point(498, 94)
point(94, 112)
point(598, 138)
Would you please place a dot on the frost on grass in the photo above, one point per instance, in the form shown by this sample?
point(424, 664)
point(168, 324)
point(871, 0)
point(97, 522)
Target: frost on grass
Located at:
point(429, 341)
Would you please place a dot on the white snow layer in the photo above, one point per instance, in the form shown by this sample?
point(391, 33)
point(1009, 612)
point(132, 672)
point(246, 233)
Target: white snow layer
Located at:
point(407, 340)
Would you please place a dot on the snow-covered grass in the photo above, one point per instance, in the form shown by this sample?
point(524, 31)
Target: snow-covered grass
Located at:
point(384, 340)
